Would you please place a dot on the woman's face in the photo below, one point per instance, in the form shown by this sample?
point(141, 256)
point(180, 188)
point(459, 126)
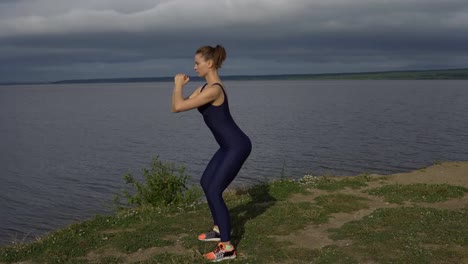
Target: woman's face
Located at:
point(202, 66)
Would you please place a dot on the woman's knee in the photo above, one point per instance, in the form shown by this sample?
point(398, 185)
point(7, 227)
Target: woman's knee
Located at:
point(213, 193)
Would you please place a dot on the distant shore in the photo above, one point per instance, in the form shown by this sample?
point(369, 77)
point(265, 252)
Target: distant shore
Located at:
point(443, 74)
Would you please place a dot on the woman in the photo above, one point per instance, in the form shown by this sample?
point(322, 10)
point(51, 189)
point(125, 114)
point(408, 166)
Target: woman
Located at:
point(212, 102)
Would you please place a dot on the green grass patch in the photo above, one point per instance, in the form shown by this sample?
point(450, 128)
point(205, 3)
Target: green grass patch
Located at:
point(62, 245)
point(288, 254)
point(128, 231)
point(403, 235)
point(284, 218)
point(327, 255)
point(110, 260)
point(189, 258)
point(281, 190)
point(419, 192)
point(341, 203)
point(270, 191)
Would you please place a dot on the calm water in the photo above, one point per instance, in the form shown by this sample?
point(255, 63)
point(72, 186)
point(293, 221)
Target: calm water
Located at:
point(64, 148)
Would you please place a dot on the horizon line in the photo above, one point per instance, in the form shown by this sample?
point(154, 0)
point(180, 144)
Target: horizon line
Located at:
point(169, 78)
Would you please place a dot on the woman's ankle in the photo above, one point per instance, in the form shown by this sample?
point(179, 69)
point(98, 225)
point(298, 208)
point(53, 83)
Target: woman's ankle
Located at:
point(228, 245)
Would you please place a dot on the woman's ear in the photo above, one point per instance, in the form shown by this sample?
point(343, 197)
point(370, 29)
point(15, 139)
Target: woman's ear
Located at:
point(210, 63)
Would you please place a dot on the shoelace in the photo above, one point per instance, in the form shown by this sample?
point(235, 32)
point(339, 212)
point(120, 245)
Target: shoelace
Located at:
point(219, 251)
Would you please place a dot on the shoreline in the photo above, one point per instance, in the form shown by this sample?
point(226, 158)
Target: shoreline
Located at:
point(286, 194)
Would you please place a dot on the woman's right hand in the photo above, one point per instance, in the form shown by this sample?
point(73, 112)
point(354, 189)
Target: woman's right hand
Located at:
point(181, 79)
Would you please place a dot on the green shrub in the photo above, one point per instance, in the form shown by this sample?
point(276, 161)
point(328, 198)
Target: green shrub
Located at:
point(162, 187)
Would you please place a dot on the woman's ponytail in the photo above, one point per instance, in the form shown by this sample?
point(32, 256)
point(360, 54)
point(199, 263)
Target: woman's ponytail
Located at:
point(219, 56)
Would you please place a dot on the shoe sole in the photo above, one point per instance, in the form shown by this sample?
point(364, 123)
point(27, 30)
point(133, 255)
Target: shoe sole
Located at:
point(210, 239)
point(226, 258)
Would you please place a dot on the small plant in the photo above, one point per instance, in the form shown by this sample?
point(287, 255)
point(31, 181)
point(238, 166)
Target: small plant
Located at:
point(364, 177)
point(310, 180)
point(332, 183)
point(162, 187)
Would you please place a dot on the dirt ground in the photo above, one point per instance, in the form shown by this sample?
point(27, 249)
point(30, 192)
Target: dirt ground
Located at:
point(453, 173)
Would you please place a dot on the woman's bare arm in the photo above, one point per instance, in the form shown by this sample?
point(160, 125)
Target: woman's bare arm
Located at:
point(195, 93)
point(196, 99)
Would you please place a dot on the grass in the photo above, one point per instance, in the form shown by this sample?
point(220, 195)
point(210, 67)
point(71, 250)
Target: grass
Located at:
point(419, 192)
point(408, 235)
point(336, 183)
point(261, 216)
point(336, 203)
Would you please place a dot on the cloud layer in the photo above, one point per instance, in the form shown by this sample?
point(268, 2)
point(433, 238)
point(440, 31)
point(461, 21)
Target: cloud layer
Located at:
point(52, 40)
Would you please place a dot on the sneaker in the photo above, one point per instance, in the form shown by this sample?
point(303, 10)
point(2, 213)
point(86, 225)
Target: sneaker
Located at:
point(220, 253)
point(211, 235)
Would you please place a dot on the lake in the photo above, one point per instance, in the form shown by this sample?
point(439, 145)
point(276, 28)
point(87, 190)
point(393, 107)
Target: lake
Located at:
point(64, 148)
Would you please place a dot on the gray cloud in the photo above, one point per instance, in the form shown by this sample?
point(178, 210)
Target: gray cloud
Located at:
point(52, 40)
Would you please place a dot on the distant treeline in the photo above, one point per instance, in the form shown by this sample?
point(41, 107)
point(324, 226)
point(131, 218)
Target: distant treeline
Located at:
point(453, 74)
point(456, 74)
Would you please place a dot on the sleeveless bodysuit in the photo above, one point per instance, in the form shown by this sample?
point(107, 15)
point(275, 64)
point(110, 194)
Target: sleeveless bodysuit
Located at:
point(234, 148)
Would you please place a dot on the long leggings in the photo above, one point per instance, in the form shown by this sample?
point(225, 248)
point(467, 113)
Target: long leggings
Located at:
point(219, 173)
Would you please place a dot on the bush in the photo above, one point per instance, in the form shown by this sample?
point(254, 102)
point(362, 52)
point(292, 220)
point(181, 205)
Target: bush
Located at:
point(162, 187)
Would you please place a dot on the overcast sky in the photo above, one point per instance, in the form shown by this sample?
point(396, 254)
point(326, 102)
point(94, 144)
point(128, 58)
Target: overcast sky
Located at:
point(49, 40)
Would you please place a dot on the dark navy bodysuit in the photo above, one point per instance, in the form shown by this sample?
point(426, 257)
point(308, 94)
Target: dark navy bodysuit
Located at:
point(234, 148)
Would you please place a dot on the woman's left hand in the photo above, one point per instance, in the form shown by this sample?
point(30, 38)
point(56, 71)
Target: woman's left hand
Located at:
point(181, 79)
